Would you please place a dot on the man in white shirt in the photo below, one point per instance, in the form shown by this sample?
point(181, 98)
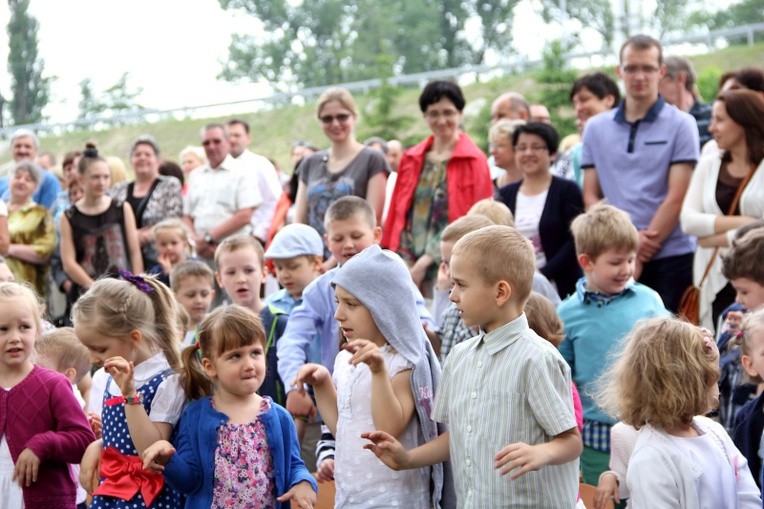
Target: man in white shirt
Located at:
point(267, 177)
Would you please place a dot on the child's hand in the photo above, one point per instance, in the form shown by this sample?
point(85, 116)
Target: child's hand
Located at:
point(364, 350)
point(300, 405)
point(25, 470)
point(325, 471)
point(607, 490)
point(387, 449)
point(526, 457)
point(122, 373)
point(95, 424)
point(443, 282)
point(301, 495)
point(164, 262)
point(311, 374)
point(157, 455)
point(733, 321)
point(90, 466)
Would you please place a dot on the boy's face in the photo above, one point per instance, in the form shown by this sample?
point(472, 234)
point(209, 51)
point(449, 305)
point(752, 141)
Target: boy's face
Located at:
point(750, 294)
point(474, 298)
point(348, 237)
point(610, 272)
point(241, 275)
point(294, 274)
point(51, 362)
point(195, 294)
point(170, 243)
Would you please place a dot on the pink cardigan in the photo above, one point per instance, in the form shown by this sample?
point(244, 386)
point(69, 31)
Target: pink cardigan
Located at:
point(42, 414)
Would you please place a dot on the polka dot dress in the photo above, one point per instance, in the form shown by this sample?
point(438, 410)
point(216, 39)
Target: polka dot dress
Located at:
point(116, 434)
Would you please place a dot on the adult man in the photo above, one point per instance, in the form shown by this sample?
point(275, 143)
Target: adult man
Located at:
point(640, 157)
point(221, 195)
point(510, 105)
point(540, 113)
point(267, 176)
point(394, 154)
point(24, 147)
point(677, 87)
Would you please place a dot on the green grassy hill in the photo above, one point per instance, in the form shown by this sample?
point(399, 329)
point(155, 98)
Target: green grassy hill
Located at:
point(276, 128)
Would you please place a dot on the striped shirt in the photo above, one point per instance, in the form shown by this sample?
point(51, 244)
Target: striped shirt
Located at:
point(497, 389)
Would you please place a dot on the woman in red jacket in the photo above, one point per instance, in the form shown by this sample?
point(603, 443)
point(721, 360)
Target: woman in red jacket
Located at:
point(438, 181)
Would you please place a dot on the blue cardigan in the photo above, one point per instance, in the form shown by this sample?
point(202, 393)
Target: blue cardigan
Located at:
point(192, 468)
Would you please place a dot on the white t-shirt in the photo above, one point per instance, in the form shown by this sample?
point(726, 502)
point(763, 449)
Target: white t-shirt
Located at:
point(528, 211)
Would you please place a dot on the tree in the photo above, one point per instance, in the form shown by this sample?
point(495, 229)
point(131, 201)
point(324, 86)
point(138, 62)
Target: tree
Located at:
point(113, 104)
point(31, 92)
point(555, 80)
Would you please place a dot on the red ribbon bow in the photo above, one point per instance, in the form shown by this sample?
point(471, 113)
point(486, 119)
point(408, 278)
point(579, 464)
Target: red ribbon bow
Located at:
point(124, 476)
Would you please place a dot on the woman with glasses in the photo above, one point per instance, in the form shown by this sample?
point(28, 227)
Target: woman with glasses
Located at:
point(438, 181)
point(545, 205)
point(346, 168)
point(152, 196)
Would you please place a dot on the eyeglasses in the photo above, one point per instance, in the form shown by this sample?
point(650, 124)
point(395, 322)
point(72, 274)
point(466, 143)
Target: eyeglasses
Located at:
point(341, 118)
point(435, 115)
point(207, 143)
point(639, 69)
point(533, 148)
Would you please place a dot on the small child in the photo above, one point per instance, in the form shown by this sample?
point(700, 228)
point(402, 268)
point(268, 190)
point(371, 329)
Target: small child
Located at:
point(662, 383)
point(494, 210)
point(505, 394)
point(129, 327)
point(241, 272)
point(233, 447)
point(384, 377)
point(193, 284)
point(606, 305)
point(59, 350)
point(172, 243)
point(297, 253)
point(42, 426)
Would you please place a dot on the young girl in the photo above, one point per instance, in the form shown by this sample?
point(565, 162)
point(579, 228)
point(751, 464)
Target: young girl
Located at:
point(385, 379)
point(662, 382)
point(234, 449)
point(42, 427)
point(130, 328)
point(171, 238)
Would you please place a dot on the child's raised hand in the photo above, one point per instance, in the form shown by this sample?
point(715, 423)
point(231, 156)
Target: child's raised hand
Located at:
point(122, 372)
point(325, 471)
point(607, 490)
point(95, 424)
point(90, 466)
point(366, 351)
point(520, 458)
point(25, 470)
point(311, 374)
point(301, 495)
point(387, 449)
point(164, 262)
point(157, 455)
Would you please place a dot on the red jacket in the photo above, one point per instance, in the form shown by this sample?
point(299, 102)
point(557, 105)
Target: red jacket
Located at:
point(41, 413)
point(467, 176)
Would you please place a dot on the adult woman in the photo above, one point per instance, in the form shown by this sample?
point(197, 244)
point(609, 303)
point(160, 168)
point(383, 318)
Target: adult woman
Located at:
point(31, 229)
point(545, 205)
point(737, 124)
point(191, 158)
point(98, 234)
point(346, 168)
point(500, 136)
point(438, 181)
point(152, 196)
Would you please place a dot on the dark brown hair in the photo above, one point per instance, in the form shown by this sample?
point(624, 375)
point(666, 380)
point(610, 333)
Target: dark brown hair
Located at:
point(746, 108)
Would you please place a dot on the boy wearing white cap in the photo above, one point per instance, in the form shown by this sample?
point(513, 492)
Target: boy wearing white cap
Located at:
point(297, 252)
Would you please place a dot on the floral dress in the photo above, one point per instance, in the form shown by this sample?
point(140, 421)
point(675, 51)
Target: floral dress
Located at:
point(244, 466)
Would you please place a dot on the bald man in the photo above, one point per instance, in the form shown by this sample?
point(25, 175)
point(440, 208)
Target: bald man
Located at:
point(510, 105)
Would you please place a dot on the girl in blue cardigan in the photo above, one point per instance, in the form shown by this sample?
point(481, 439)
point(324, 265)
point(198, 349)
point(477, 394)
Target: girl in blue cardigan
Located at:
point(234, 448)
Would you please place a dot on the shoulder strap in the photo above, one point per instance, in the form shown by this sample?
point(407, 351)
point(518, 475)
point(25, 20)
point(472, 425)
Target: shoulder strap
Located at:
point(276, 312)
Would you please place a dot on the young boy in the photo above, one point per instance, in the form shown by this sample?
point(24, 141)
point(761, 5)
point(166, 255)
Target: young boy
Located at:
point(505, 394)
point(240, 261)
point(193, 284)
point(297, 252)
point(606, 305)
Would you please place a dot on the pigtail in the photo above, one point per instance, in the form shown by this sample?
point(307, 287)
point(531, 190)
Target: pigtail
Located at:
point(165, 320)
point(195, 382)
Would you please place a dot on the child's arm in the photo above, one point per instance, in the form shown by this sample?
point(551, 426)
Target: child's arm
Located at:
point(607, 490)
point(90, 465)
point(392, 403)
point(302, 486)
point(326, 395)
point(395, 456)
point(562, 448)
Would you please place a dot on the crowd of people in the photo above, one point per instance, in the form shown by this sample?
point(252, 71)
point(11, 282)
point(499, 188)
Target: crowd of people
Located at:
point(424, 327)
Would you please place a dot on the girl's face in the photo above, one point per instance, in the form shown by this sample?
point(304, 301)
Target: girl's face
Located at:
point(172, 244)
point(338, 122)
point(102, 347)
point(18, 330)
point(753, 359)
point(241, 275)
point(355, 319)
point(145, 161)
point(23, 185)
point(294, 274)
point(95, 180)
point(238, 372)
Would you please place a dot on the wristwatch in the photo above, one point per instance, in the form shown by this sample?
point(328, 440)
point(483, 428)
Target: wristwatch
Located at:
point(208, 238)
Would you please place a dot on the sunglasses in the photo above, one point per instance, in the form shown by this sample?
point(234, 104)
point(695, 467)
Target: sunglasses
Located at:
point(341, 118)
point(207, 143)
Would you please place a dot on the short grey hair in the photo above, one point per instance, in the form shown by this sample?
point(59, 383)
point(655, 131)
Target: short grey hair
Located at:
point(675, 65)
point(30, 167)
point(25, 133)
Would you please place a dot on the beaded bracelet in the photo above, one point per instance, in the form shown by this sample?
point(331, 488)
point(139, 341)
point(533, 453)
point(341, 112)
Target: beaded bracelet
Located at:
point(132, 400)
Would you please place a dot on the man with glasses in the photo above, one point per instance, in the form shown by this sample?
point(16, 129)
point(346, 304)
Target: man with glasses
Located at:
point(221, 195)
point(640, 157)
